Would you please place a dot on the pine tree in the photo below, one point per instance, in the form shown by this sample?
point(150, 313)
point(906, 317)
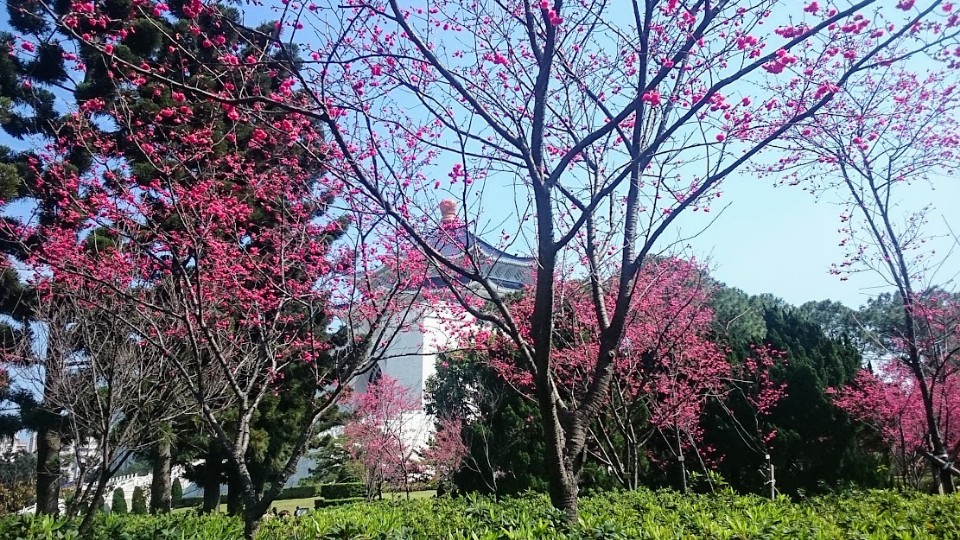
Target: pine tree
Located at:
point(28, 109)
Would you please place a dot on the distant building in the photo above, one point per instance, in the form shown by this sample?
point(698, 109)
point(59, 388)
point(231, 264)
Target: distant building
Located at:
point(24, 442)
point(74, 455)
point(410, 357)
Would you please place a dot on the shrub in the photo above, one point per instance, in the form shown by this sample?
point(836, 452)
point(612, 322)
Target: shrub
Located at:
point(327, 503)
point(299, 492)
point(138, 504)
point(661, 515)
point(343, 490)
point(176, 493)
point(189, 502)
point(182, 526)
point(118, 505)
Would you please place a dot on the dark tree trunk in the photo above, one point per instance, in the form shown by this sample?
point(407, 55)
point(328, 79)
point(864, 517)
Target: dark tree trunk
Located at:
point(161, 486)
point(942, 483)
point(942, 480)
point(211, 483)
point(250, 526)
point(563, 477)
point(48, 470)
point(234, 495)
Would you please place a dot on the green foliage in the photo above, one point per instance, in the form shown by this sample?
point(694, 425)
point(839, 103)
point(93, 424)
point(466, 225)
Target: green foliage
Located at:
point(138, 504)
point(737, 317)
point(299, 492)
point(502, 429)
point(189, 502)
point(182, 526)
point(320, 502)
point(118, 505)
point(15, 496)
point(333, 463)
point(817, 447)
point(18, 473)
point(343, 490)
point(176, 493)
point(643, 514)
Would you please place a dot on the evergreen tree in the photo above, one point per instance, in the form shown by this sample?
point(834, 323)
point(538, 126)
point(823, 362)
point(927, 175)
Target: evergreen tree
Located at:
point(176, 493)
point(332, 461)
point(138, 504)
point(118, 504)
point(29, 110)
point(817, 447)
point(500, 428)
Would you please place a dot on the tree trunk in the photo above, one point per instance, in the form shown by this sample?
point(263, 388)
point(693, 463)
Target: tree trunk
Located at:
point(563, 477)
point(95, 506)
point(161, 487)
point(942, 480)
point(942, 483)
point(251, 523)
point(234, 495)
point(48, 470)
point(211, 483)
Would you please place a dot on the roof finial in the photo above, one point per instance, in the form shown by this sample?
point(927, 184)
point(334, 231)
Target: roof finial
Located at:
point(448, 211)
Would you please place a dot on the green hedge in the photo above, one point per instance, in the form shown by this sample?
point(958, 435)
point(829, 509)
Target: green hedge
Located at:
point(188, 502)
point(641, 515)
point(299, 492)
point(327, 503)
point(181, 526)
point(345, 490)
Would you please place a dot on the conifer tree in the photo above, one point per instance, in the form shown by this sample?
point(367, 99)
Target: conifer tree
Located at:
point(176, 493)
point(118, 504)
point(139, 501)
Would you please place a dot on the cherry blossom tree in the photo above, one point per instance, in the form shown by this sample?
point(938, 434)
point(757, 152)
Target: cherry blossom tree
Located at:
point(667, 368)
point(885, 132)
point(607, 121)
point(225, 262)
point(894, 400)
point(384, 434)
point(447, 452)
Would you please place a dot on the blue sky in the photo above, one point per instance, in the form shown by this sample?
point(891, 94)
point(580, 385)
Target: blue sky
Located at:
point(782, 241)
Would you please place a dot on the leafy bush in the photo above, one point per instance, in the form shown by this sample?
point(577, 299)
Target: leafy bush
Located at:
point(327, 503)
point(299, 492)
point(644, 515)
point(188, 502)
point(183, 526)
point(15, 496)
point(343, 491)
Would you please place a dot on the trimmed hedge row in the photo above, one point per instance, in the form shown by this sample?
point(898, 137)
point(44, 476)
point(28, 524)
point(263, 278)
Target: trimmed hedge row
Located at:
point(327, 492)
point(328, 503)
point(641, 515)
point(187, 502)
point(344, 490)
point(299, 492)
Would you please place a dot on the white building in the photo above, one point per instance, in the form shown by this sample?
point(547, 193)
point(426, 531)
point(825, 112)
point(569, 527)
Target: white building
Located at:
point(417, 338)
point(23, 442)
